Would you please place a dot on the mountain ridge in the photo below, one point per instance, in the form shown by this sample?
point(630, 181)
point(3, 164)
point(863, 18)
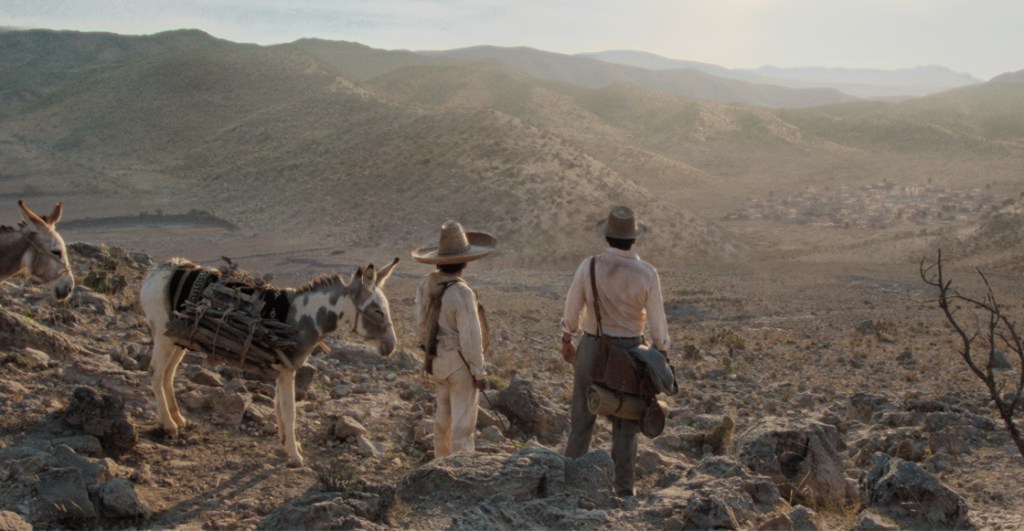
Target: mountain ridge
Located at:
point(874, 83)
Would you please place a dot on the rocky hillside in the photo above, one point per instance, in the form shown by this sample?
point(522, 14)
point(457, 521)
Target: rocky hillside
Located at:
point(347, 147)
point(853, 419)
point(276, 140)
point(995, 242)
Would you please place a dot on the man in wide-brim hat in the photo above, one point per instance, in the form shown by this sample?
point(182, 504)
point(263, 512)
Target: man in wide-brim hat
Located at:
point(449, 329)
point(629, 297)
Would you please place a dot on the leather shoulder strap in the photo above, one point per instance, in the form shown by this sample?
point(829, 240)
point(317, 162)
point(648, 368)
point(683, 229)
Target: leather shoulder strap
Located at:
point(593, 289)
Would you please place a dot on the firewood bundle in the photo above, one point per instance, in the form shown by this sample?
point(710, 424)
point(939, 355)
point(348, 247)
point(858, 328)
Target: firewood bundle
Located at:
point(225, 323)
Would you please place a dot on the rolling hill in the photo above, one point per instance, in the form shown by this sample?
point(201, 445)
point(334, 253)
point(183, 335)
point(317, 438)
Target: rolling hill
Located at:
point(689, 83)
point(276, 140)
point(357, 147)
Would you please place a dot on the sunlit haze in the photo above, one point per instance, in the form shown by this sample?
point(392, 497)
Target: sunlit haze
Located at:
point(979, 37)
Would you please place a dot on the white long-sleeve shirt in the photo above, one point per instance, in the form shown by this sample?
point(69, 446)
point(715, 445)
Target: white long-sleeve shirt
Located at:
point(630, 296)
point(458, 326)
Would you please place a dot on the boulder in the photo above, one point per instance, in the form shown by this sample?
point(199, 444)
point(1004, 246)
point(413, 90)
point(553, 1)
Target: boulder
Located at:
point(347, 426)
point(776, 522)
point(705, 510)
point(365, 507)
point(803, 518)
point(229, 408)
point(12, 390)
point(502, 511)
point(530, 412)
point(81, 444)
point(103, 416)
point(805, 458)
point(912, 497)
point(530, 473)
point(29, 358)
point(862, 406)
point(18, 331)
point(370, 448)
point(83, 297)
point(118, 499)
point(62, 499)
point(718, 492)
point(869, 520)
point(756, 494)
point(200, 375)
point(491, 435)
point(89, 250)
point(93, 470)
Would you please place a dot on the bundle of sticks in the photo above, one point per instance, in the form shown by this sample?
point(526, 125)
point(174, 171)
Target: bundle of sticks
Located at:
point(225, 323)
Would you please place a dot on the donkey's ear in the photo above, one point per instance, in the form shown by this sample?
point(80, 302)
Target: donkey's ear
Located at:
point(369, 276)
point(54, 216)
point(385, 272)
point(29, 216)
point(358, 275)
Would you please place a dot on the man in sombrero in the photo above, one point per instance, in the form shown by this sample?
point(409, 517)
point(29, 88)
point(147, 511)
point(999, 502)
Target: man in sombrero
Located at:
point(448, 325)
point(629, 297)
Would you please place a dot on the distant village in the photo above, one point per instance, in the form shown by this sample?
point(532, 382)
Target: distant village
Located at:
point(872, 206)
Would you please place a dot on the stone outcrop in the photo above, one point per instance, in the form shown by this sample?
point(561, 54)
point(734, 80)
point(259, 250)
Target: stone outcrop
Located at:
point(911, 496)
point(530, 412)
point(364, 507)
point(103, 416)
point(805, 458)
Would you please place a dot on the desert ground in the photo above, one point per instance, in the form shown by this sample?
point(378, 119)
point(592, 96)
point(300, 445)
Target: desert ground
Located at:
point(800, 337)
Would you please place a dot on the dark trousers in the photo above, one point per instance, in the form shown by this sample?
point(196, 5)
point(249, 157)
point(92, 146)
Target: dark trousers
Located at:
point(582, 431)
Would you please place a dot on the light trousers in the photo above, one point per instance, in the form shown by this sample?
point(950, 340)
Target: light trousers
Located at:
point(455, 415)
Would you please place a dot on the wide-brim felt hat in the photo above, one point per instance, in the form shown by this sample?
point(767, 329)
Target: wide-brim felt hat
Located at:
point(456, 246)
point(622, 224)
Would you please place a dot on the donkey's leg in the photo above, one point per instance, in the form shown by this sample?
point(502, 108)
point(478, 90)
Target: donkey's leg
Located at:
point(277, 413)
point(286, 401)
point(174, 360)
point(164, 350)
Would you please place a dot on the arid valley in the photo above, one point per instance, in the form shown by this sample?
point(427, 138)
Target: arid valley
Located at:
point(789, 238)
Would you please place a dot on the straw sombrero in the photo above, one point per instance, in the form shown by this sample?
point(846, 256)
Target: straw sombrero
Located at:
point(456, 246)
point(622, 224)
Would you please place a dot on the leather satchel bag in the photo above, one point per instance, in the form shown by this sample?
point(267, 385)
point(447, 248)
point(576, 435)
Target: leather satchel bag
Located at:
point(615, 367)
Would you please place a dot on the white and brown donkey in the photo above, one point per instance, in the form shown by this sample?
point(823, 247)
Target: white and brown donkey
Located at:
point(316, 309)
point(35, 245)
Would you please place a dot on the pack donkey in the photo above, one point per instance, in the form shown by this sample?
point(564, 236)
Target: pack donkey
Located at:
point(316, 309)
point(35, 245)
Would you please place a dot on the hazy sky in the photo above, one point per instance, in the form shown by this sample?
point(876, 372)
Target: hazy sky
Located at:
point(981, 37)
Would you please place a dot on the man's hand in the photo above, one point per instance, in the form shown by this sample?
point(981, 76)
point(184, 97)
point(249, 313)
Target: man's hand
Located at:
point(480, 384)
point(568, 351)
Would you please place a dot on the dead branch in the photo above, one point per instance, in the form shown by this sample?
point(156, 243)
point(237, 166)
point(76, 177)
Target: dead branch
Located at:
point(991, 328)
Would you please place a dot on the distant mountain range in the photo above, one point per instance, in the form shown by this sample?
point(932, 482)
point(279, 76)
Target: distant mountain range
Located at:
point(371, 147)
point(859, 82)
point(688, 82)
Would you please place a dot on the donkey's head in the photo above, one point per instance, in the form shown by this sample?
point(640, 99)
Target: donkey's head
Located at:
point(47, 257)
point(373, 314)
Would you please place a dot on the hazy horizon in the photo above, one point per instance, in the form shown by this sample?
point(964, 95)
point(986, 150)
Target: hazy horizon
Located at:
point(976, 38)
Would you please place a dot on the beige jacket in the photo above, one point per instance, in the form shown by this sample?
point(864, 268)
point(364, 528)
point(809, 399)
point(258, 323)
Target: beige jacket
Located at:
point(458, 325)
point(630, 292)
